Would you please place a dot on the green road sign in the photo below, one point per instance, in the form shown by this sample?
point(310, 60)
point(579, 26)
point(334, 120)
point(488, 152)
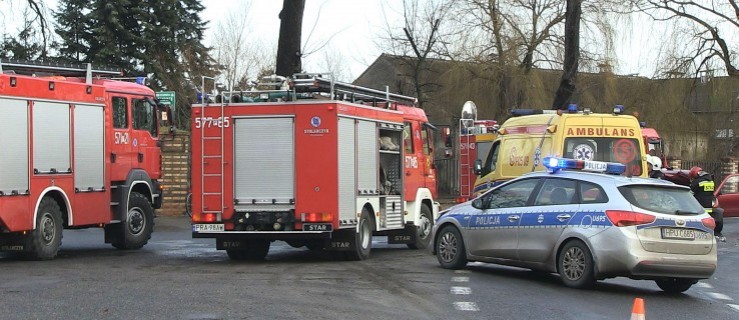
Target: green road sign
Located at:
point(168, 98)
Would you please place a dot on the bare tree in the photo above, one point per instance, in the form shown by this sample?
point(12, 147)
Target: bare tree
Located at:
point(240, 56)
point(703, 18)
point(288, 46)
point(572, 55)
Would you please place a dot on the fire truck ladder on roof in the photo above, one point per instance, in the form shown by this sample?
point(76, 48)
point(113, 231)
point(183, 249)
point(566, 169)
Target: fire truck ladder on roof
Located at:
point(313, 82)
point(465, 170)
point(55, 69)
point(212, 201)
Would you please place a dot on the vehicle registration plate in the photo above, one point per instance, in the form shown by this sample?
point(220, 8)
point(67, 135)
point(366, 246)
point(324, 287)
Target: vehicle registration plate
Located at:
point(678, 233)
point(595, 166)
point(208, 227)
point(317, 227)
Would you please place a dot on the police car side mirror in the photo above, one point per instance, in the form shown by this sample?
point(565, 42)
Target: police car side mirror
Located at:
point(477, 204)
point(478, 167)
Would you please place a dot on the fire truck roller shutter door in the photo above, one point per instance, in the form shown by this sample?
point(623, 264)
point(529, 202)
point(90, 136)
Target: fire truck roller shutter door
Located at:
point(14, 159)
point(51, 137)
point(260, 176)
point(367, 150)
point(89, 153)
point(347, 169)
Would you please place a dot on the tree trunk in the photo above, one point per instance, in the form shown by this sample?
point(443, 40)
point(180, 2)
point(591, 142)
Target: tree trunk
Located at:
point(572, 55)
point(288, 46)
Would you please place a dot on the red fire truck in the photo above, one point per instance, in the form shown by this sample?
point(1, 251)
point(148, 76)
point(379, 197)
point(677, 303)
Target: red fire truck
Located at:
point(78, 151)
point(315, 163)
point(475, 139)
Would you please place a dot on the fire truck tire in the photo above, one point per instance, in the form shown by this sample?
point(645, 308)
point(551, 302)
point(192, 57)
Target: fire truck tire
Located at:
point(135, 232)
point(44, 242)
point(255, 250)
point(423, 231)
point(362, 238)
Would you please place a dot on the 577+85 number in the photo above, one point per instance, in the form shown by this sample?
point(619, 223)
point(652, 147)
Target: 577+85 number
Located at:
point(208, 122)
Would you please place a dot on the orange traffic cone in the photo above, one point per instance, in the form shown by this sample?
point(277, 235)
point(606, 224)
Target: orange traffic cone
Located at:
point(637, 312)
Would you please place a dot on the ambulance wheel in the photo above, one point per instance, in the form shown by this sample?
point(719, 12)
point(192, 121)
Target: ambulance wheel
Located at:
point(675, 285)
point(362, 239)
point(450, 250)
point(136, 231)
point(423, 230)
point(255, 250)
point(575, 265)
point(45, 240)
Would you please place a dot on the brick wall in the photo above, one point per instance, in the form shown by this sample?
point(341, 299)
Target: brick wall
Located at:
point(175, 174)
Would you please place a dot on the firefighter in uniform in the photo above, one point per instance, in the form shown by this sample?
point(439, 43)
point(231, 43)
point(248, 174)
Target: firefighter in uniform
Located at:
point(702, 185)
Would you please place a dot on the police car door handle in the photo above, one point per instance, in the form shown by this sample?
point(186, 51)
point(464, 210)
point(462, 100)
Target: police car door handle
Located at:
point(563, 217)
point(513, 218)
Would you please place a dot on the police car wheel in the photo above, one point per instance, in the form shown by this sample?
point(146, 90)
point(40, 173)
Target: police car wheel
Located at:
point(423, 230)
point(575, 265)
point(450, 250)
point(45, 240)
point(675, 285)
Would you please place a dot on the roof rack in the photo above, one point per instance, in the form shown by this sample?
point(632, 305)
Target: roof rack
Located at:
point(58, 69)
point(316, 82)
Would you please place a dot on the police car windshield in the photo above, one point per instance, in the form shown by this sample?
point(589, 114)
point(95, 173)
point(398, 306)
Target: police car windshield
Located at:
point(662, 199)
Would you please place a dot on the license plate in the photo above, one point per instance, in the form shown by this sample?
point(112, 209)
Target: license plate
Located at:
point(317, 227)
point(678, 233)
point(208, 227)
point(595, 166)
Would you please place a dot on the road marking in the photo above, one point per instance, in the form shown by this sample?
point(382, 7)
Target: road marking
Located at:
point(461, 271)
point(460, 279)
point(734, 306)
point(461, 290)
point(704, 285)
point(717, 295)
point(466, 306)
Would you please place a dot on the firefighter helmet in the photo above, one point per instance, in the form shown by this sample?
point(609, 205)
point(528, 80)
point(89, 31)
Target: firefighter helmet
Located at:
point(694, 172)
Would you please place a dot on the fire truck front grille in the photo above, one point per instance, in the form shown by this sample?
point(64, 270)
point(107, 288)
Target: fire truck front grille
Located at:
point(265, 221)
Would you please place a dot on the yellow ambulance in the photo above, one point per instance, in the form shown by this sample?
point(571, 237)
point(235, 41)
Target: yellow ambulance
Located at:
point(530, 135)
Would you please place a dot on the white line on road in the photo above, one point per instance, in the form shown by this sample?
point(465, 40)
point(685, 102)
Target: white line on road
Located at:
point(461, 271)
point(460, 279)
point(466, 306)
point(704, 285)
point(461, 290)
point(717, 295)
point(734, 306)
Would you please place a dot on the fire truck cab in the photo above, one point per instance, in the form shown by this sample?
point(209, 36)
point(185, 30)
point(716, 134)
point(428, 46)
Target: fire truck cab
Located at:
point(79, 151)
point(315, 163)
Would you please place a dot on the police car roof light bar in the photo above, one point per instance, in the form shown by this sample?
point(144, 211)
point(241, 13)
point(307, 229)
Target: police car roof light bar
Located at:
point(554, 164)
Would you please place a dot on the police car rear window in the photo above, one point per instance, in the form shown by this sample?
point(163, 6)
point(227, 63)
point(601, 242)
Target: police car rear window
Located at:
point(675, 201)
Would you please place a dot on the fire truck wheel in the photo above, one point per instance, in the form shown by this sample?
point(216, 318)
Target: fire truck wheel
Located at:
point(44, 242)
point(135, 232)
point(423, 231)
point(255, 250)
point(362, 238)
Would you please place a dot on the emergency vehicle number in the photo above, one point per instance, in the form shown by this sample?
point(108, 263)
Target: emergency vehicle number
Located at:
point(209, 122)
point(207, 227)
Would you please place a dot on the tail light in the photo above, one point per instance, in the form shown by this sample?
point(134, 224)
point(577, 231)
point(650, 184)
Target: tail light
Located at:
point(204, 217)
point(709, 223)
point(629, 218)
point(317, 217)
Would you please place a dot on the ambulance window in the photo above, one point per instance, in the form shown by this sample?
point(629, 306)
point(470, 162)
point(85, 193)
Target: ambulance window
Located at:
point(491, 160)
point(120, 113)
point(144, 117)
point(408, 138)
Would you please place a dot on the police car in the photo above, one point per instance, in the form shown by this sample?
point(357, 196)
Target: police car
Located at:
point(586, 226)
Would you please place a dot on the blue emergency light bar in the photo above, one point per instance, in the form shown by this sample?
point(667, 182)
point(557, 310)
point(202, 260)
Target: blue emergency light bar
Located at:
point(554, 164)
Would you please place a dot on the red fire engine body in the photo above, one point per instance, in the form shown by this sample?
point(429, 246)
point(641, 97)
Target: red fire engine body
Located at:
point(77, 153)
point(317, 172)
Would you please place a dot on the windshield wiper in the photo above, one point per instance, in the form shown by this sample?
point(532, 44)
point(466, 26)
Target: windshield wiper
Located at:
point(686, 213)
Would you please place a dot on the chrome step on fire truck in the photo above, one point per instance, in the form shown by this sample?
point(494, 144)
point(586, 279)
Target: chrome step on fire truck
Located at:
point(78, 151)
point(314, 163)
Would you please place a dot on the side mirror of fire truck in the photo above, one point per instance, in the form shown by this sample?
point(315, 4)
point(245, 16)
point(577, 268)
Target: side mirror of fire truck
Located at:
point(478, 167)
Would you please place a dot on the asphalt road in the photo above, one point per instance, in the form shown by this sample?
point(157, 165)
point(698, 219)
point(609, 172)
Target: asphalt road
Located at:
point(177, 277)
